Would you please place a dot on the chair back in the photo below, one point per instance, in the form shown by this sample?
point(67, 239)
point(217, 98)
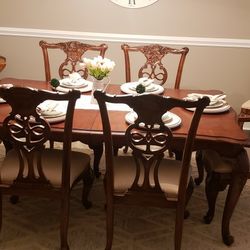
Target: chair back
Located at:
point(74, 52)
point(27, 131)
point(2, 63)
point(154, 67)
point(148, 137)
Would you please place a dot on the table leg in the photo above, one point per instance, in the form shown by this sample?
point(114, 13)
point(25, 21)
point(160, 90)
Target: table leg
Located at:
point(239, 178)
point(98, 151)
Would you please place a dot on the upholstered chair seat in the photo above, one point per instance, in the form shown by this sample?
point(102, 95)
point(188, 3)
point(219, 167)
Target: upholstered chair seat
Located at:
point(245, 107)
point(52, 162)
point(125, 172)
point(217, 163)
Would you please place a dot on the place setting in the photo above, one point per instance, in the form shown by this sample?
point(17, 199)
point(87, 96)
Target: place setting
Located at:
point(218, 103)
point(170, 119)
point(74, 81)
point(53, 111)
point(142, 86)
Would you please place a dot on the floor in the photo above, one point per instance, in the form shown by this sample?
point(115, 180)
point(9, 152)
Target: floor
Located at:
point(33, 224)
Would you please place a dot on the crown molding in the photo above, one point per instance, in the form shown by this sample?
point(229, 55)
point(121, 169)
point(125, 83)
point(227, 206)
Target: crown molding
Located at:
point(125, 38)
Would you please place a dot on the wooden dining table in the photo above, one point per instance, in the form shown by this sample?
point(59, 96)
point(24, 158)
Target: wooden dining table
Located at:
point(217, 131)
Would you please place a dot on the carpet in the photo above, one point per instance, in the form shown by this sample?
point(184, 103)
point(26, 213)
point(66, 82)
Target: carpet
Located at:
point(33, 223)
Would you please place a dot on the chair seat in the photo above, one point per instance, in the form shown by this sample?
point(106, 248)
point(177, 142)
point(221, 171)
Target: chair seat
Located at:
point(217, 163)
point(245, 107)
point(52, 167)
point(125, 171)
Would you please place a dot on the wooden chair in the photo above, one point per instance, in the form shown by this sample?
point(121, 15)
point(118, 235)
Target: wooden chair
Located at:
point(244, 116)
point(219, 172)
point(2, 63)
point(153, 67)
point(74, 51)
point(147, 178)
point(30, 168)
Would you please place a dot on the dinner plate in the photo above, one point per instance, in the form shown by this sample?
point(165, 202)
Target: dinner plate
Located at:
point(129, 88)
point(52, 109)
point(212, 104)
point(150, 88)
point(68, 83)
point(2, 100)
point(217, 104)
point(221, 109)
point(84, 89)
point(170, 119)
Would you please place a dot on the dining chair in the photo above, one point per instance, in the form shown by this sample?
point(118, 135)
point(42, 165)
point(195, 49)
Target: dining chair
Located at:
point(146, 177)
point(2, 63)
point(30, 168)
point(74, 52)
point(219, 170)
point(243, 117)
point(154, 67)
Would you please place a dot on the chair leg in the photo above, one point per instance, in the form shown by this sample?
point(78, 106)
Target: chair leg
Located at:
point(51, 144)
point(198, 158)
point(109, 224)
point(115, 151)
point(1, 209)
point(179, 226)
point(98, 151)
point(14, 199)
point(88, 179)
point(125, 149)
point(64, 221)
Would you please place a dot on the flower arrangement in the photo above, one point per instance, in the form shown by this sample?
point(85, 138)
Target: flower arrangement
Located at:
point(99, 67)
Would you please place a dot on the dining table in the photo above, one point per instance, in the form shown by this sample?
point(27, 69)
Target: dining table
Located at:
point(217, 131)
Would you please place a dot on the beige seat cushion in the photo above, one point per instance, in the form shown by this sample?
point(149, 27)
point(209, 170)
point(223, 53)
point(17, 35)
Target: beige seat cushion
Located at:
point(52, 166)
point(218, 163)
point(245, 107)
point(125, 170)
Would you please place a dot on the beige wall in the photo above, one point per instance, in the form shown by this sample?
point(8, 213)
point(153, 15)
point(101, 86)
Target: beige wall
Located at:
point(206, 67)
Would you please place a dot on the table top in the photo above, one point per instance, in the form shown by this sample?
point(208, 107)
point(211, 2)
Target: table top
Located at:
point(214, 128)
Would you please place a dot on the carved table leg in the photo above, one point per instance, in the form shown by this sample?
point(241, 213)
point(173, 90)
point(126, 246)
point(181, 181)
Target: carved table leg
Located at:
point(98, 151)
point(239, 178)
point(215, 182)
point(198, 158)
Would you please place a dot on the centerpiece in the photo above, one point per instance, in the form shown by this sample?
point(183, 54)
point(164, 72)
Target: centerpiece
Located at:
point(99, 69)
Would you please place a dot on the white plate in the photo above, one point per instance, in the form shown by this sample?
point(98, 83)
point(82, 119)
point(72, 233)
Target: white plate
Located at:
point(67, 83)
point(221, 109)
point(216, 104)
point(212, 104)
point(172, 120)
point(52, 109)
point(2, 100)
point(87, 88)
point(150, 88)
point(129, 88)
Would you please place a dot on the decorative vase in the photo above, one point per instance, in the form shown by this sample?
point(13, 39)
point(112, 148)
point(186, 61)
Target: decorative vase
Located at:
point(98, 84)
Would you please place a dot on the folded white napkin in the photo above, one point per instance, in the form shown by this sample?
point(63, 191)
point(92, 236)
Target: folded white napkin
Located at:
point(51, 108)
point(75, 76)
point(74, 80)
point(145, 81)
point(213, 98)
